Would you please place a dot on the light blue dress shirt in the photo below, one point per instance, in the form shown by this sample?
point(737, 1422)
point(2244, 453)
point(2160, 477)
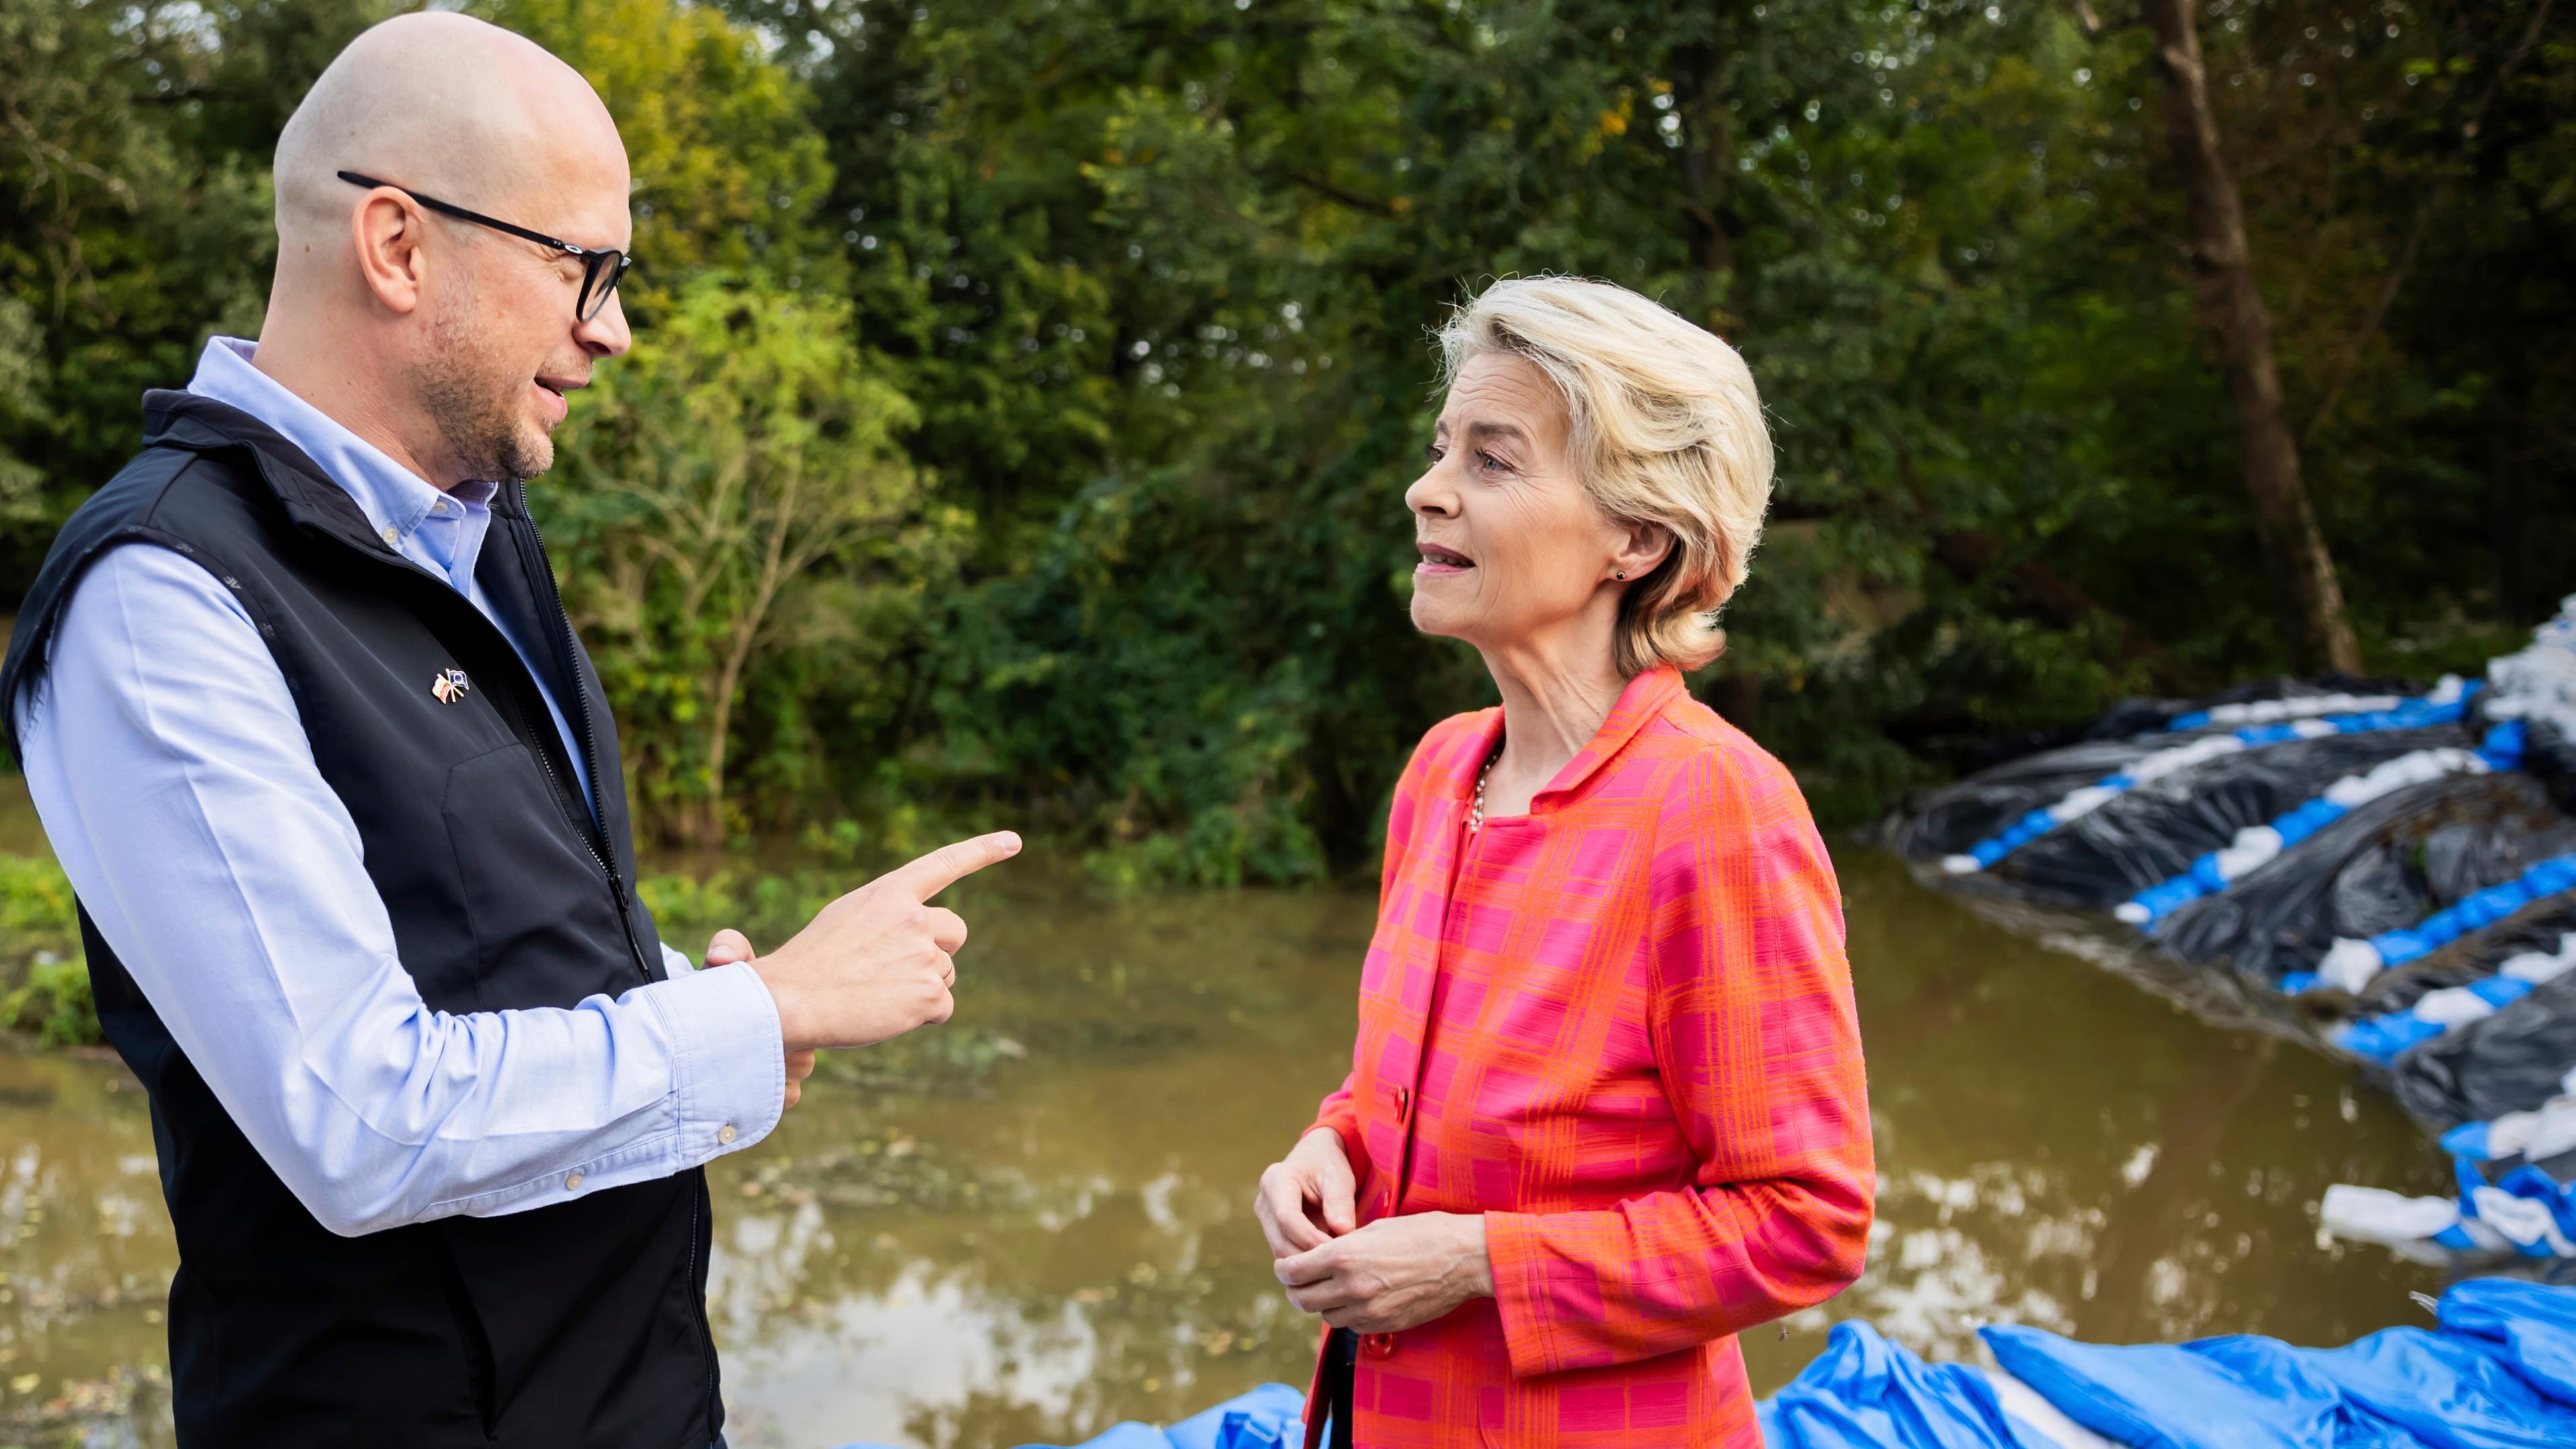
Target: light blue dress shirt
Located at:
point(174, 778)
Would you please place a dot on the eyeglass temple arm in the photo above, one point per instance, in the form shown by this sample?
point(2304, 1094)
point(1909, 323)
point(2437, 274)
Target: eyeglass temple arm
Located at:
point(478, 218)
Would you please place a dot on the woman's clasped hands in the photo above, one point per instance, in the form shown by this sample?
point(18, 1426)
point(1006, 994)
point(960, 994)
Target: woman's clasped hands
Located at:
point(1391, 1275)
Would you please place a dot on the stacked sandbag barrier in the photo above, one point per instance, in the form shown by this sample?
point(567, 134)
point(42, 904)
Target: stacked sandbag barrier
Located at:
point(2387, 871)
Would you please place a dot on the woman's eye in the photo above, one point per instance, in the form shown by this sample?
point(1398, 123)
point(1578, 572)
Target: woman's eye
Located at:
point(1432, 452)
point(1491, 461)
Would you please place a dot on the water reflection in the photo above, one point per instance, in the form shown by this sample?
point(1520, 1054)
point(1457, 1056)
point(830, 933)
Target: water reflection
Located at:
point(1044, 1226)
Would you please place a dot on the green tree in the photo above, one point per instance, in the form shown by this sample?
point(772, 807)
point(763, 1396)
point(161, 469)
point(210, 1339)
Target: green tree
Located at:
point(134, 213)
point(711, 477)
point(729, 170)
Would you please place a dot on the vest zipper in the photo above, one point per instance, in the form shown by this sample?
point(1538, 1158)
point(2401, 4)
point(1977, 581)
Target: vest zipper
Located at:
point(567, 658)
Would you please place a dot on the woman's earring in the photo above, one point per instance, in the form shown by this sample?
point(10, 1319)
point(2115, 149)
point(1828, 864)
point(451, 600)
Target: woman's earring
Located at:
point(1621, 575)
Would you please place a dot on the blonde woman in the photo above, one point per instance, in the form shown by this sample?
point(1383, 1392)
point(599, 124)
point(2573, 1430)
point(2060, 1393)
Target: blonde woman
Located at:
point(1606, 1106)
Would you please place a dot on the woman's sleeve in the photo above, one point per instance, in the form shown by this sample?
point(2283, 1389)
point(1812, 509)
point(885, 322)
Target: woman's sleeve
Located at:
point(1752, 1027)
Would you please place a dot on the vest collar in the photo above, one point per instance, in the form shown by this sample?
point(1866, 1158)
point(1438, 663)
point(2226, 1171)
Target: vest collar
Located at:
point(174, 419)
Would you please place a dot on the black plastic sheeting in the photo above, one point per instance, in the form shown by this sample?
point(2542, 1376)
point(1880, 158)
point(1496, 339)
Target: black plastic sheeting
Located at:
point(2550, 755)
point(2471, 958)
point(1979, 806)
point(2157, 829)
point(2509, 1062)
point(2385, 866)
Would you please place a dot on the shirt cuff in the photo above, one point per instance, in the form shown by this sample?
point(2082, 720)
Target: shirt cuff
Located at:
point(675, 964)
point(729, 1062)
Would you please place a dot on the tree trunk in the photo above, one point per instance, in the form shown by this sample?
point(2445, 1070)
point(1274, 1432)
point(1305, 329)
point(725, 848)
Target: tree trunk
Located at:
point(2309, 599)
point(1708, 171)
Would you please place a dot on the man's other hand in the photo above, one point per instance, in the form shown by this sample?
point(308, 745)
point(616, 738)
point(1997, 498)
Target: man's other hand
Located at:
point(877, 962)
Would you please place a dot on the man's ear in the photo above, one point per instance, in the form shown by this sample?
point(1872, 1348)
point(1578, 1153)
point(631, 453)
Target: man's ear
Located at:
point(1639, 548)
point(388, 230)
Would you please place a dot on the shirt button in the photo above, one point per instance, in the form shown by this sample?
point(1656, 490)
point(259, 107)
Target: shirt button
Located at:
point(1403, 1104)
point(440, 506)
point(388, 534)
point(725, 1135)
point(1386, 1204)
point(1378, 1345)
point(573, 1183)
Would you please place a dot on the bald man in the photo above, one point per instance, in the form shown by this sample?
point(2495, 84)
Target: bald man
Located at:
point(339, 793)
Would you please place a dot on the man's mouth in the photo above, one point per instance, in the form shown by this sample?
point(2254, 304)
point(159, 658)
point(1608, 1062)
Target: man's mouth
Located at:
point(1438, 560)
point(553, 402)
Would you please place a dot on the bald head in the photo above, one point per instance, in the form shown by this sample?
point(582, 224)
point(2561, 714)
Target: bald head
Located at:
point(450, 107)
point(448, 344)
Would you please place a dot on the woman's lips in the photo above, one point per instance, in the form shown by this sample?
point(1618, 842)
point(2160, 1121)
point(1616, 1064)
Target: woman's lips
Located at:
point(1438, 560)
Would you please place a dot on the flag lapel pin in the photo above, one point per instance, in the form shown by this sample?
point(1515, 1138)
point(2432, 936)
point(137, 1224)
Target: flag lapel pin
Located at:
point(449, 687)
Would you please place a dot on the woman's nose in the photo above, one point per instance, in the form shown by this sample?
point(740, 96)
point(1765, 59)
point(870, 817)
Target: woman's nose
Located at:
point(1431, 495)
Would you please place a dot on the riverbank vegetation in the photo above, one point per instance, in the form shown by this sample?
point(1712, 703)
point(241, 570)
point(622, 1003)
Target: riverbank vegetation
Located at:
point(1024, 388)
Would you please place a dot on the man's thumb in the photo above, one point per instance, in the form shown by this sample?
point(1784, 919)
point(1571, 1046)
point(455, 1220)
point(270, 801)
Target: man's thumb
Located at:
point(728, 947)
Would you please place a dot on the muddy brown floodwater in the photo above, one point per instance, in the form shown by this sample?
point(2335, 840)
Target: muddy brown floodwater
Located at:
point(1055, 1232)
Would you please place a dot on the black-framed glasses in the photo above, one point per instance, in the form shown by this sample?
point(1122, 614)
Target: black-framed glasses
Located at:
point(602, 268)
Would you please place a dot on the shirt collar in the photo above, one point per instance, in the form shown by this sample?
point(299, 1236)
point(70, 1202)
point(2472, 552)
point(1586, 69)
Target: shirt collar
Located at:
point(391, 495)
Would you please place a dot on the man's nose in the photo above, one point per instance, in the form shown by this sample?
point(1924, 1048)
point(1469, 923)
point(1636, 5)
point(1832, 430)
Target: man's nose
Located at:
point(605, 335)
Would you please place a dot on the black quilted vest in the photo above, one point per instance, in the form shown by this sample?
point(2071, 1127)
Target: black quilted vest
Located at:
point(582, 1323)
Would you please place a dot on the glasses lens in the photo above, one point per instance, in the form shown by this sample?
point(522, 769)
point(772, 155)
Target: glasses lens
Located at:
point(601, 272)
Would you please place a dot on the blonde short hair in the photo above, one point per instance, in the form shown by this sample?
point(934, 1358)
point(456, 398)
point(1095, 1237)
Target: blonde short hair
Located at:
point(1667, 429)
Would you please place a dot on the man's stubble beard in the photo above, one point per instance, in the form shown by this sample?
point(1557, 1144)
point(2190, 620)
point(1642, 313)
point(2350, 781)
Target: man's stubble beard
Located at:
point(471, 397)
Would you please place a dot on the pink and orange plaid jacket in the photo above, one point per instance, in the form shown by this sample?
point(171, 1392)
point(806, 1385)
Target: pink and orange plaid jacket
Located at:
point(1621, 1028)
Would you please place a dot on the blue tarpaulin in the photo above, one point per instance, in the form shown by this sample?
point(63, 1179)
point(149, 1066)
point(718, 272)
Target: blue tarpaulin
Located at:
point(1864, 1392)
point(2497, 1372)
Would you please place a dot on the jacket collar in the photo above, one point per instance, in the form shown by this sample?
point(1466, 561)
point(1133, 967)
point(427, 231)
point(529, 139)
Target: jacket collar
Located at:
point(1643, 700)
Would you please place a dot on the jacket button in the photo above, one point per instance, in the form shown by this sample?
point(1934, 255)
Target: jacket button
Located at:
point(1378, 1345)
point(1403, 1104)
point(725, 1135)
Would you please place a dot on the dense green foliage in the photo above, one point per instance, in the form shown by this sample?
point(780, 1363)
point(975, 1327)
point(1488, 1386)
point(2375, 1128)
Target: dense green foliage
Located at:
point(1102, 325)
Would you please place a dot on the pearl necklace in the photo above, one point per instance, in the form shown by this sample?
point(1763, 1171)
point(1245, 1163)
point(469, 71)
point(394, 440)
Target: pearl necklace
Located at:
point(1476, 816)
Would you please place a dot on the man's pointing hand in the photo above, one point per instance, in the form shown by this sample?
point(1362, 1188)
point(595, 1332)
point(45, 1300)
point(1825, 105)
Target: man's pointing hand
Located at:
point(875, 963)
